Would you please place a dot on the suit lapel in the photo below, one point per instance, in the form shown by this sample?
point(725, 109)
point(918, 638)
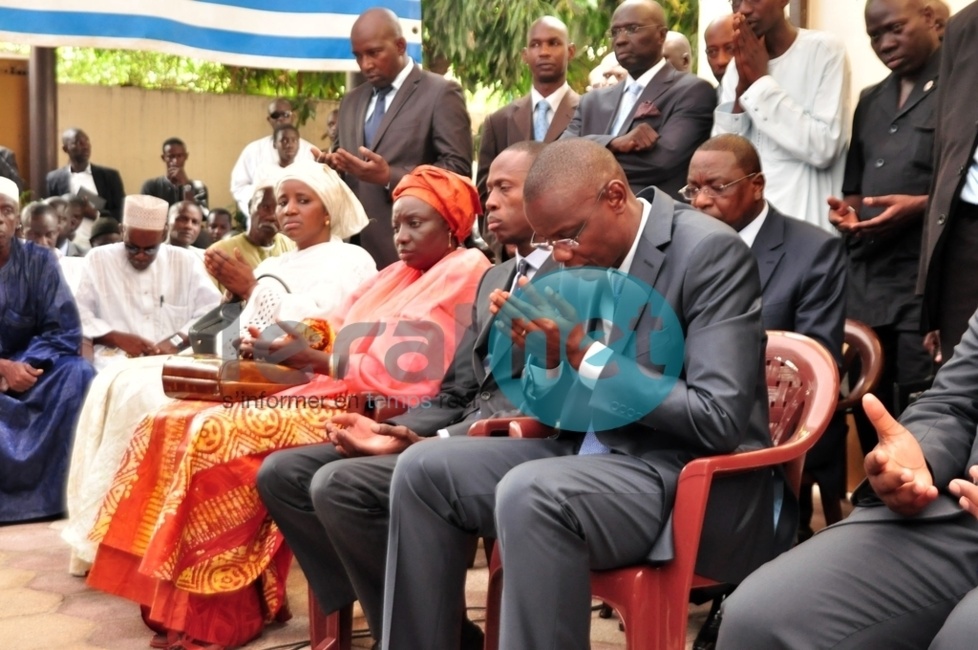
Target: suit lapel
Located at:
point(926, 84)
point(500, 280)
point(563, 116)
point(363, 101)
point(649, 257)
point(521, 121)
point(659, 84)
point(768, 246)
point(404, 93)
point(611, 98)
point(99, 177)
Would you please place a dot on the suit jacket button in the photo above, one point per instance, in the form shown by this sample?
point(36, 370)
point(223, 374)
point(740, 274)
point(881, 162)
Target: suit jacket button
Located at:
point(485, 396)
point(941, 219)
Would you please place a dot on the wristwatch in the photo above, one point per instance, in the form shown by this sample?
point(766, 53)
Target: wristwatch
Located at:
point(177, 341)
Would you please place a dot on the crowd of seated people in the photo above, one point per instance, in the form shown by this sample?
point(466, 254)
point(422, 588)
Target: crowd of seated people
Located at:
point(189, 508)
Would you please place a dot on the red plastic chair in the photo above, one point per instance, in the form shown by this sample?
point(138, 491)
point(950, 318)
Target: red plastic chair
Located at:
point(652, 601)
point(861, 343)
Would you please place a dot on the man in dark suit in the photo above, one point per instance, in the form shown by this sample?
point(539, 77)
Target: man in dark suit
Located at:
point(654, 119)
point(548, 51)
point(331, 500)
point(951, 226)
point(563, 505)
point(802, 267)
point(902, 570)
point(401, 118)
point(80, 174)
point(803, 288)
point(889, 170)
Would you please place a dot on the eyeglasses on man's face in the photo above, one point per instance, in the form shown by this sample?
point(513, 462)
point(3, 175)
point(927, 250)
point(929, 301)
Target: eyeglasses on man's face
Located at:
point(278, 115)
point(690, 192)
point(566, 243)
point(631, 29)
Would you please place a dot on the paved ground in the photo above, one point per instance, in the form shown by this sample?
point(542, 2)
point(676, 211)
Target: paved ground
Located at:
point(42, 607)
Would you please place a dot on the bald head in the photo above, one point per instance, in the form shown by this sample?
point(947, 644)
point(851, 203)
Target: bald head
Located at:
point(550, 22)
point(575, 163)
point(547, 53)
point(577, 197)
point(720, 48)
point(942, 13)
point(76, 144)
point(379, 46)
point(638, 31)
point(677, 51)
point(378, 21)
point(744, 153)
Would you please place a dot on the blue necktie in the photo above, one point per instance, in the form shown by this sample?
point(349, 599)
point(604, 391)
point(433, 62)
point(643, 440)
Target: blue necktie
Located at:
point(540, 123)
point(628, 99)
point(372, 124)
point(590, 445)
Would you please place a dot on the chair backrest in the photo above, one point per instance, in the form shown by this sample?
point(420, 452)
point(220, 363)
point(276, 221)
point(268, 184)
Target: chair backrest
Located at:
point(861, 343)
point(802, 386)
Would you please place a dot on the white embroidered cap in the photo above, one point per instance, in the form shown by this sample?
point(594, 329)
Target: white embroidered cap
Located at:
point(9, 189)
point(143, 212)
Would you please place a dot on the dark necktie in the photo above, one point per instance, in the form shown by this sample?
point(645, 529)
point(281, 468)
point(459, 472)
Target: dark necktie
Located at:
point(372, 125)
point(521, 268)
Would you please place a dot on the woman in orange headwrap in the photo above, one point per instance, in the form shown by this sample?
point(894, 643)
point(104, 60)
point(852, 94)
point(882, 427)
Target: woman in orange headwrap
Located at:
point(183, 531)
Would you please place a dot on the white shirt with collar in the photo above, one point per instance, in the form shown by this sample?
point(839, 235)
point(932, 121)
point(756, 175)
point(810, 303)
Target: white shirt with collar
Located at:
point(625, 110)
point(554, 99)
point(533, 263)
point(84, 178)
point(749, 232)
point(395, 86)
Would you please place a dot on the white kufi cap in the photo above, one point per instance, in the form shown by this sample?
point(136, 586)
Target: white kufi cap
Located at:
point(144, 212)
point(9, 189)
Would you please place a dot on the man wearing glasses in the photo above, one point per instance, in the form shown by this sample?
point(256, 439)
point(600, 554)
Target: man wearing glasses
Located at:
point(803, 288)
point(787, 92)
point(139, 297)
point(261, 153)
point(654, 119)
point(596, 494)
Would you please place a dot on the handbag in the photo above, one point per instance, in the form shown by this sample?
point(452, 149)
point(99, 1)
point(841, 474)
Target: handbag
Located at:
point(213, 379)
point(204, 332)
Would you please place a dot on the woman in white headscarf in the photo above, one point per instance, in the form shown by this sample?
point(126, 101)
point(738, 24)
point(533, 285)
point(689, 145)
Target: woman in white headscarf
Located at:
point(308, 282)
point(183, 531)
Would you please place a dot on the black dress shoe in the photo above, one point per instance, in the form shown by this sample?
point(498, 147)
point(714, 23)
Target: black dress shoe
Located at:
point(706, 639)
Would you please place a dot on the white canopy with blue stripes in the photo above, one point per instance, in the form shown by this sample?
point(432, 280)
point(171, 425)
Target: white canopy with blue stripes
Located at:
point(290, 34)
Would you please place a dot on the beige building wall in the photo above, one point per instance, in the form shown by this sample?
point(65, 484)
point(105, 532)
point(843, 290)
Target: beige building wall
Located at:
point(127, 127)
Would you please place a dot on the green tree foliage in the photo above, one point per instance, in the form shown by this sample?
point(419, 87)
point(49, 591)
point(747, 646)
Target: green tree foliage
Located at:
point(482, 40)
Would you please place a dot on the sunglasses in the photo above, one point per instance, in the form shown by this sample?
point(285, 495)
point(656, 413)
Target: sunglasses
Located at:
point(277, 115)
